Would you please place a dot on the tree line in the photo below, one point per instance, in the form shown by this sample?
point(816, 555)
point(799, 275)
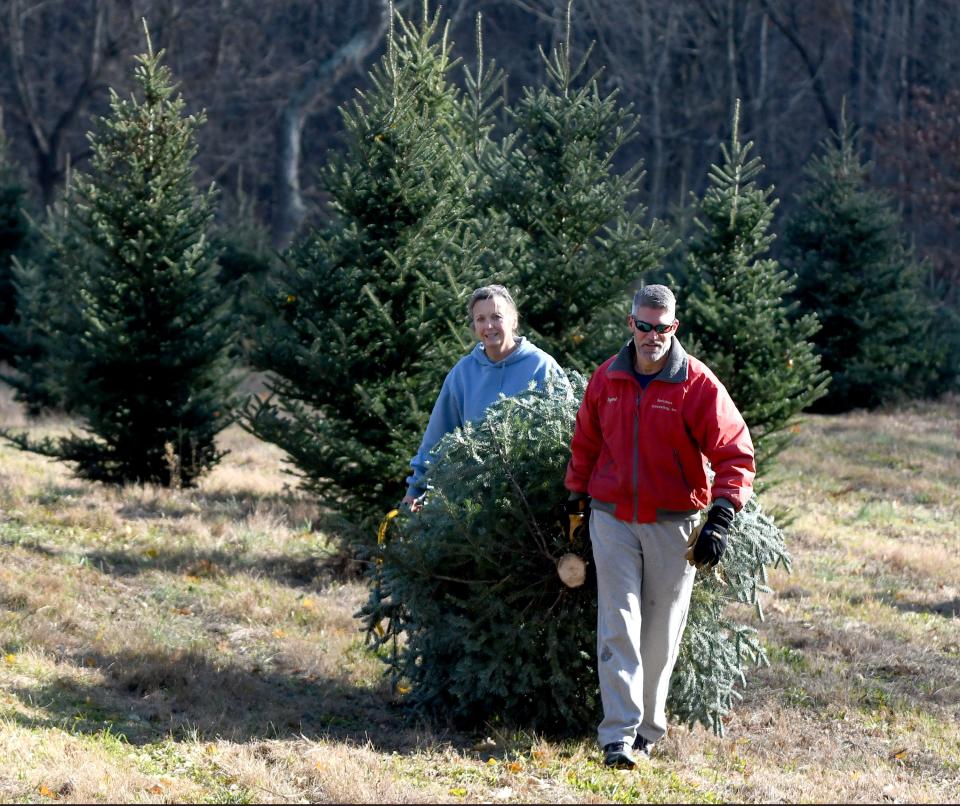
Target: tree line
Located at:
point(136, 314)
point(272, 75)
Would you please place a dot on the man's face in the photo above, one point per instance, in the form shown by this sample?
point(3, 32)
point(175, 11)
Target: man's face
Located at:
point(651, 345)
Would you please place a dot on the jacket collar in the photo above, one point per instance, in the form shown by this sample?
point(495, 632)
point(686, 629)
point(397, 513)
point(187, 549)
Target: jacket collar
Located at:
point(673, 371)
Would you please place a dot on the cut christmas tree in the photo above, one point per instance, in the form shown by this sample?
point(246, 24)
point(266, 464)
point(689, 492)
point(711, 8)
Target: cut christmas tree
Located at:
point(469, 607)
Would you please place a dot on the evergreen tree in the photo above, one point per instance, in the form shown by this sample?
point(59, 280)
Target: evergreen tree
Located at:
point(245, 256)
point(566, 221)
point(855, 272)
point(141, 355)
point(366, 317)
point(247, 263)
point(489, 231)
point(45, 303)
point(14, 231)
point(734, 302)
point(468, 610)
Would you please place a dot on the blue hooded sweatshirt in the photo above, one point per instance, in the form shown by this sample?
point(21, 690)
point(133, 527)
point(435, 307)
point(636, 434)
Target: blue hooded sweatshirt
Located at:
point(470, 387)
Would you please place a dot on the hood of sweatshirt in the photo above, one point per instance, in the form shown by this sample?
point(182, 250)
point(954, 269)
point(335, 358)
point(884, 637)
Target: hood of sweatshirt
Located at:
point(524, 349)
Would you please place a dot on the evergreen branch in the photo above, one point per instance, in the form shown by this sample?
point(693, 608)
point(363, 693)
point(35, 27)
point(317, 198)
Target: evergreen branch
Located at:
point(529, 517)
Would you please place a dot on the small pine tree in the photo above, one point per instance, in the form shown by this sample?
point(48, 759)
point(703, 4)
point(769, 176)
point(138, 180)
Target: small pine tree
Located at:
point(856, 274)
point(44, 306)
point(141, 357)
point(14, 232)
point(242, 244)
point(247, 263)
point(467, 608)
point(366, 314)
point(734, 303)
point(567, 222)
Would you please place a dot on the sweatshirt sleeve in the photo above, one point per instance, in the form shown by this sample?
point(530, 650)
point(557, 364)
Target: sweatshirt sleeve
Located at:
point(447, 415)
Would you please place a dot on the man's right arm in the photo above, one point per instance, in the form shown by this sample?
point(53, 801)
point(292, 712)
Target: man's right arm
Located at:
point(587, 441)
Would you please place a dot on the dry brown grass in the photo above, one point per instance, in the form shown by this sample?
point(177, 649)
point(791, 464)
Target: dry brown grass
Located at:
point(198, 645)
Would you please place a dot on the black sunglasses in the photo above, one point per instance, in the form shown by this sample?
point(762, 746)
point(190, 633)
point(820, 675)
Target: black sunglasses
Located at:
point(646, 327)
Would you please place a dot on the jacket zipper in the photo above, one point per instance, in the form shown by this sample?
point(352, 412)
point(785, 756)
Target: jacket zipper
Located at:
point(636, 459)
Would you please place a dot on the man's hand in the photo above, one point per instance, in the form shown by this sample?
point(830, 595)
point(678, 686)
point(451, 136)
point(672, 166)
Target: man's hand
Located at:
point(708, 544)
point(577, 508)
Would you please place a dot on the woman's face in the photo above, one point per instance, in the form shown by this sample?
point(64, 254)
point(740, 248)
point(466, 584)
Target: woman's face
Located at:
point(495, 323)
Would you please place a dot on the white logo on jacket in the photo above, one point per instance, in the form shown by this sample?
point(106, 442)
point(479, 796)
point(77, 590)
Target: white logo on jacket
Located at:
point(664, 405)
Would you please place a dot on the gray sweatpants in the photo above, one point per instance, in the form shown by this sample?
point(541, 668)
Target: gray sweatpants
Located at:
point(644, 584)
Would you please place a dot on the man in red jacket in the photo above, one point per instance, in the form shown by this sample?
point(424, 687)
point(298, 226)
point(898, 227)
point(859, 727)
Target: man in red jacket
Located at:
point(654, 424)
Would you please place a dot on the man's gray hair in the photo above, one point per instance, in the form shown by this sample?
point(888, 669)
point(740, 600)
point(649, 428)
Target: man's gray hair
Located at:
point(655, 296)
point(489, 292)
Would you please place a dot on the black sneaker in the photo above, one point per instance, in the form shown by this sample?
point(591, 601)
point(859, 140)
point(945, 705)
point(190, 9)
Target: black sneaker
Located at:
point(619, 755)
point(642, 746)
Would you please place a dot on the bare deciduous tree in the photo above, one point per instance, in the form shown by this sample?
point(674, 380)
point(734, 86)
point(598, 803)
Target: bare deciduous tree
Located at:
point(58, 55)
point(271, 75)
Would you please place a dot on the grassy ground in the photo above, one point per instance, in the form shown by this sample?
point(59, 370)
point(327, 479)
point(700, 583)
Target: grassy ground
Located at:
point(199, 646)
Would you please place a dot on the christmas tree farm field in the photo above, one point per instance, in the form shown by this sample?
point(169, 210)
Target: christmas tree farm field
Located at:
point(200, 645)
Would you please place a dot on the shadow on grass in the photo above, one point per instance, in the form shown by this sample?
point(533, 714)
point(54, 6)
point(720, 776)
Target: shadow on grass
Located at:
point(295, 571)
point(183, 694)
point(949, 608)
point(319, 566)
point(55, 493)
point(169, 692)
point(213, 505)
point(829, 667)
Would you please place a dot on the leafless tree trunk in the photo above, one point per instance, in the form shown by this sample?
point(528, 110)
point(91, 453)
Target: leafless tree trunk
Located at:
point(289, 209)
point(858, 22)
point(657, 72)
point(814, 64)
point(46, 136)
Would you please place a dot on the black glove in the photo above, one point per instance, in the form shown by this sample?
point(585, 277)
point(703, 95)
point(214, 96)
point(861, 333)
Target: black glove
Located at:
point(577, 510)
point(710, 544)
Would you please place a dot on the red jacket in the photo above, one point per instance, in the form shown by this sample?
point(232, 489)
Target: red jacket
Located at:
point(647, 450)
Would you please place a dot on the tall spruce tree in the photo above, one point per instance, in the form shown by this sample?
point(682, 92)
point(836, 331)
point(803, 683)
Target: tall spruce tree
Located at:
point(14, 231)
point(368, 311)
point(734, 304)
point(470, 614)
point(856, 274)
point(141, 358)
point(567, 221)
point(488, 229)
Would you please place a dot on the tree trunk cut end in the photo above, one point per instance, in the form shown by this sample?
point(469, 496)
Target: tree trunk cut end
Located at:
point(572, 570)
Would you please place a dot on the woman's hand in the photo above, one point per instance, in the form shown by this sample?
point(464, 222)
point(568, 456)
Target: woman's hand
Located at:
point(415, 504)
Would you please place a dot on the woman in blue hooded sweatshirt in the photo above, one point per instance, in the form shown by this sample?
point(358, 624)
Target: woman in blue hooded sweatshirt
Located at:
point(503, 363)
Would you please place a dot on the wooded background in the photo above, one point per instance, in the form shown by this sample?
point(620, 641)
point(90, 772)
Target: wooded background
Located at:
point(270, 75)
